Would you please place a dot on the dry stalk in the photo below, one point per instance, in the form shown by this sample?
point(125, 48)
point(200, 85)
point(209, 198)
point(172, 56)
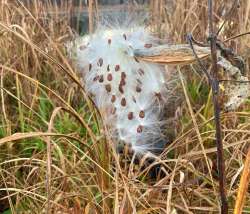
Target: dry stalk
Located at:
point(244, 182)
point(215, 91)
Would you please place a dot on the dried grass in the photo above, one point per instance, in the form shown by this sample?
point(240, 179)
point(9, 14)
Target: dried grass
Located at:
point(54, 155)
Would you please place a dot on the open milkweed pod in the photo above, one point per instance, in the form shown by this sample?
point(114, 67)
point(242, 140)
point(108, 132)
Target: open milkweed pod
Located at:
point(131, 94)
point(171, 54)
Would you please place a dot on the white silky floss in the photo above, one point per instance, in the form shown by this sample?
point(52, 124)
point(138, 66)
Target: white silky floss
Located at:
point(129, 94)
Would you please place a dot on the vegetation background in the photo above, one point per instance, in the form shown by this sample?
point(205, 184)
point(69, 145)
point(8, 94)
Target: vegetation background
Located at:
point(54, 157)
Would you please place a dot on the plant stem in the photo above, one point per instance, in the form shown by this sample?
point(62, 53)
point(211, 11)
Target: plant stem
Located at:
point(215, 91)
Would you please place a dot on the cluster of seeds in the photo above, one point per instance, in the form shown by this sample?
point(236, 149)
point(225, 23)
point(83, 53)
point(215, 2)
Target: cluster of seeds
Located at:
point(129, 93)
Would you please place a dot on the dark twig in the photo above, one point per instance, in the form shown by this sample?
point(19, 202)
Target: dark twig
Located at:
point(236, 81)
point(215, 90)
point(214, 83)
point(190, 41)
point(191, 38)
point(236, 36)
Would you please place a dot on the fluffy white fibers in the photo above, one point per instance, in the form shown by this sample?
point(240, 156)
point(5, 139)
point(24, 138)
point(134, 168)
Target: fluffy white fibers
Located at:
point(130, 94)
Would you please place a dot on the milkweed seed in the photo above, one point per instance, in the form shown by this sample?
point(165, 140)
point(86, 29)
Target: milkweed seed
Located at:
point(113, 98)
point(108, 68)
point(101, 79)
point(133, 98)
point(123, 75)
point(139, 81)
point(130, 115)
point(100, 62)
point(139, 129)
point(121, 89)
point(90, 67)
point(122, 82)
point(109, 77)
point(117, 67)
point(148, 45)
point(124, 36)
point(142, 114)
point(96, 78)
point(138, 89)
point(123, 102)
point(108, 87)
point(141, 72)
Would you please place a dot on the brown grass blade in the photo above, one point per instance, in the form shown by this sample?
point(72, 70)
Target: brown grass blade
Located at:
point(196, 128)
point(243, 188)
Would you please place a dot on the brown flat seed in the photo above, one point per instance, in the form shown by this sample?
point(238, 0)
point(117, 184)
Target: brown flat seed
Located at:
point(138, 89)
point(141, 72)
point(108, 87)
point(100, 62)
point(122, 82)
point(123, 75)
point(130, 115)
point(121, 89)
point(101, 79)
point(142, 114)
point(139, 81)
point(109, 77)
point(90, 67)
point(117, 67)
point(113, 98)
point(148, 45)
point(96, 78)
point(109, 41)
point(139, 129)
point(124, 36)
point(123, 102)
point(133, 98)
point(108, 68)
